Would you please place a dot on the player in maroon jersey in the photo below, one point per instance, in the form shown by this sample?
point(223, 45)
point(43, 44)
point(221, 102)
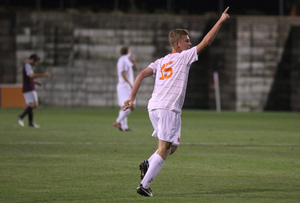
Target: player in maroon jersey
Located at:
point(28, 89)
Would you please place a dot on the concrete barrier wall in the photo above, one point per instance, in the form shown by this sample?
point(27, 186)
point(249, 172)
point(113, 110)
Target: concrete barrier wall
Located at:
point(261, 43)
point(81, 52)
point(7, 48)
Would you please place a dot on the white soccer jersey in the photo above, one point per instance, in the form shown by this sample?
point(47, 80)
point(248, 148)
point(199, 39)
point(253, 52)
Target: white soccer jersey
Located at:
point(171, 77)
point(124, 64)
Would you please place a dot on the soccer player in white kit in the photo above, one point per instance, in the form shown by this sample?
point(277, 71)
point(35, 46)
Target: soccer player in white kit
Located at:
point(125, 67)
point(171, 75)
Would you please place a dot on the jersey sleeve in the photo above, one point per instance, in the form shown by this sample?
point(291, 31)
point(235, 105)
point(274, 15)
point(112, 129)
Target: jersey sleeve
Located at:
point(190, 56)
point(28, 69)
point(154, 67)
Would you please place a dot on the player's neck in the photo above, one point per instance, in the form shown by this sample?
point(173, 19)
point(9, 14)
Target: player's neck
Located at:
point(175, 51)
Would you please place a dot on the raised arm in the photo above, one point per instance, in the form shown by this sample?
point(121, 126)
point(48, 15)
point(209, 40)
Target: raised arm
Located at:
point(137, 83)
point(210, 36)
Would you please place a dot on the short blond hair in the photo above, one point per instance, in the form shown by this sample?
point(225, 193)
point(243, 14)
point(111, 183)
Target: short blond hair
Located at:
point(176, 35)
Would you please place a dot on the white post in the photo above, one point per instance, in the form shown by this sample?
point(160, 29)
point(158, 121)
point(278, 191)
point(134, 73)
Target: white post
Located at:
point(217, 91)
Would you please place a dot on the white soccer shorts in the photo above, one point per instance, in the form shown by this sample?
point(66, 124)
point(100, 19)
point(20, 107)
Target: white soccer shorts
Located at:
point(30, 97)
point(166, 124)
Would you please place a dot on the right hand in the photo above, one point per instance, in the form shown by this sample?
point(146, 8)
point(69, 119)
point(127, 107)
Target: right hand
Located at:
point(38, 83)
point(128, 104)
point(131, 58)
point(47, 75)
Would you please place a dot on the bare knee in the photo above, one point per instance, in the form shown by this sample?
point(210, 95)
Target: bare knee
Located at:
point(34, 105)
point(167, 151)
point(164, 149)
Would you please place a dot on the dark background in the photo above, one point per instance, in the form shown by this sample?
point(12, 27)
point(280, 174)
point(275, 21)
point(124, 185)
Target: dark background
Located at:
point(182, 7)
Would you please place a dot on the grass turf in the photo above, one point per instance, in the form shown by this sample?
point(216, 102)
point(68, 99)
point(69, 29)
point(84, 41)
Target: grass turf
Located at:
point(78, 156)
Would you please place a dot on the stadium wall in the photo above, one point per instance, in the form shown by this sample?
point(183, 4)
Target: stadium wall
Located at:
point(7, 48)
point(81, 51)
point(267, 63)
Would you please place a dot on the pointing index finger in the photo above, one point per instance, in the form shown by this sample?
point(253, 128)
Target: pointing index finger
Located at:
point(226, 10)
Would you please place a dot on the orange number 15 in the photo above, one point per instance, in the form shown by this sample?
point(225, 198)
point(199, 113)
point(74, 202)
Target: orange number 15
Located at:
point(165, 71)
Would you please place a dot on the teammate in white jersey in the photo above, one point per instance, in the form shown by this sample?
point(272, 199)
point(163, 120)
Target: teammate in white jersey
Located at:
point(125, 67)
point(171, 75)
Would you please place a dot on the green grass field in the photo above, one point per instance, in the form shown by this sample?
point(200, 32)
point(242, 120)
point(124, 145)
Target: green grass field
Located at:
point(78, 156)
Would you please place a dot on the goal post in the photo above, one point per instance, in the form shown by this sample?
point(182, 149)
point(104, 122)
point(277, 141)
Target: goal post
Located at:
point(217, 91)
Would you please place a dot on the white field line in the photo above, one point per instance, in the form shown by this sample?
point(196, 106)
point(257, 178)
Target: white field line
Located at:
point(116, 143)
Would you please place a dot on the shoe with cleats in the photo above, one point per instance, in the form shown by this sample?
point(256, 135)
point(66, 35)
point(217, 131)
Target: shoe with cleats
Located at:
point(33, 125)
point(144, 191)
point(117, 125)
point(20, 121)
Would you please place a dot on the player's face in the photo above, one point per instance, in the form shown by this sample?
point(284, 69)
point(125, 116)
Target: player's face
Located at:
point(185, 43)
point(34, 62)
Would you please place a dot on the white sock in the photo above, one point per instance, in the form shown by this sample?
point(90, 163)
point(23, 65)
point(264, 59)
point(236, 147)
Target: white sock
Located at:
point(154, 168)
point(151, 157)
point(124, 123)
point(122, 115)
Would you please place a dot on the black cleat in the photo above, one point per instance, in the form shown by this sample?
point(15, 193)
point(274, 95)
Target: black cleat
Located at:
point(144, 191)
point(144, 168)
